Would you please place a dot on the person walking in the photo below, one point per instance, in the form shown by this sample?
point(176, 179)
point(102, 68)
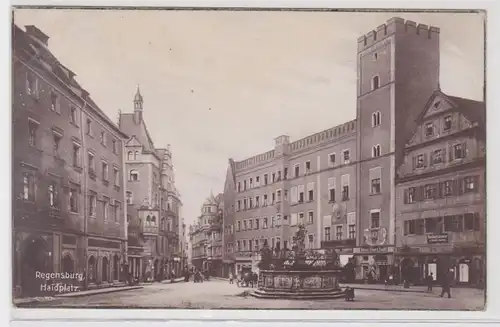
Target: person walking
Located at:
point(429, 280)
point(231, 278)
point(446, 287)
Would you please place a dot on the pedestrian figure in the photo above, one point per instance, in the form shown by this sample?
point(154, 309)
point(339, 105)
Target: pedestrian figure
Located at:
point(446, 287)
point(231, 278)
point(429, 280)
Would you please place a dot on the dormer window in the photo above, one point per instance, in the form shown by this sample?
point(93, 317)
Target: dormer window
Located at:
point(429, 129)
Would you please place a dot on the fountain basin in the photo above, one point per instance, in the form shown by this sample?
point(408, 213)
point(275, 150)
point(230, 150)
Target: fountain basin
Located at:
point(299, 284)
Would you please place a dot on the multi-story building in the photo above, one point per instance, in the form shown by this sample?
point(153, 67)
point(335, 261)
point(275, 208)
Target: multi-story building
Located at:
point(441, 193)
point(341, 183)
point(206, 237)
point(152, 200)
point(68, 186)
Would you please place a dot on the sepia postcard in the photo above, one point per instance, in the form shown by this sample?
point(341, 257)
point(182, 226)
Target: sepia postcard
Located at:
point(212, 158)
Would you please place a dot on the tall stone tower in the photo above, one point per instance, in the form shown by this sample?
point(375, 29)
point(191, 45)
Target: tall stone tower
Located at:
point(398, 69)
point(138, 103)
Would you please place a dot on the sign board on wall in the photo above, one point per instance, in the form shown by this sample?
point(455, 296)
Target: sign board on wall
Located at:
point(437, 238)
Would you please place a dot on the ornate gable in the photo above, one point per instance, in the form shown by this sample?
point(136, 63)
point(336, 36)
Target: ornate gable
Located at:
point(439, 103)
point(133, 142)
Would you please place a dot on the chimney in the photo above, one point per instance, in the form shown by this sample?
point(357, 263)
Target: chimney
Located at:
point(35, 32)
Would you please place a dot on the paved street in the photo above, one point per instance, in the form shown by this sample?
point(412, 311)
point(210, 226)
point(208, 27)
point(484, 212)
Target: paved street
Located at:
point(218, 294)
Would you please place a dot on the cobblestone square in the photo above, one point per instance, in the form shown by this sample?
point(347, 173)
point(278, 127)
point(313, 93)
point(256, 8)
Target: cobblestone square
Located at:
point(217, 294)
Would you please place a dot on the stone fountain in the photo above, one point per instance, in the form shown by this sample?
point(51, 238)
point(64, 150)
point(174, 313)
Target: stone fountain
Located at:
point(299, 273)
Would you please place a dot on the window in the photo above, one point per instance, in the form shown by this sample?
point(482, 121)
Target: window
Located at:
point(31, 85)
point(332, 195)
point(429, 129)
point(278, 220)
point(103, 138)
point(92, 204)
point(91, 163)
point(257, 223)
point(133, 175)
point(285, 173)
point(250, 203)
point(345, 192)
point(375, 219)
point(265, 223)
point(136, 155)
point(105, 206)
point(376, 186)
point(73, 200)
point(338, 233)
point(239, 186)
point(375, 56)
point(257, 181)
point(116, 176)
point(430, 191)
point(29, 187)
point(458, 151)
point(301, 194)
point(297, 170)
point(278, 196)
point(352, 232)
point(273, 198)
point(376, 151)
point(308, 167)
point(327, 234)
point(420, 161)
point(117, 209)
point(238, 245)
point(238, 227)
point(273, 221)
point(310, 239)
point(432, 225)
point(76, 155)
point(273, 177)
point(375, 82)
point(470, 184)
point(279, 175)
point(115, 148)
point(73, 115)
point(250, 224)
point(310, 217)
point(238, 206)
point(129, 197)
point(301, 218)
point(244, 185)
point(105, 172)
point(53, 195)
point(447, 188)
point(265, 200)
point(331, 159)
point(447, 123)
point(347, 156)
point(54, 102)
point(251, 182)
point(89, 127)
point(376, 119)
point(32, 129)
point(129, 155)
point(310, 195)
point(265, 179)
point(57, 142)
point(437, 157)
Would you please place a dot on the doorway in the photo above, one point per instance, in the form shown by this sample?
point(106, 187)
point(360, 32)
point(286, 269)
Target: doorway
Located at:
point(463, 273)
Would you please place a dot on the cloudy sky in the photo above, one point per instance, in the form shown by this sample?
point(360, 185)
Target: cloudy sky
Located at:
point(222, 84)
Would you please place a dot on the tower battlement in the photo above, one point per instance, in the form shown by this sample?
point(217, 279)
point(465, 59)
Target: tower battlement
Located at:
point(396, 25)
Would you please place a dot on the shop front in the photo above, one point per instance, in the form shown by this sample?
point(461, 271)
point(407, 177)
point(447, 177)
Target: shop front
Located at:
point(374, 264)
point(464, 265)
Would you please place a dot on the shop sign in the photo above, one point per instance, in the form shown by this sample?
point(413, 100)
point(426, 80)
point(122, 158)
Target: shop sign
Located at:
point(437, 238)
point(375, 249)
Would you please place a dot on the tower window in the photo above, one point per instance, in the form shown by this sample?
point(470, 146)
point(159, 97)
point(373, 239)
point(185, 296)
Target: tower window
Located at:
point(376, 151)
point(376, 119)
point(375, 82)
point(375, 56)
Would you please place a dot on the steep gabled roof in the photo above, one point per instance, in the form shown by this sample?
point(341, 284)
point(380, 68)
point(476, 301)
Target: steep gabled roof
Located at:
point(129, 126)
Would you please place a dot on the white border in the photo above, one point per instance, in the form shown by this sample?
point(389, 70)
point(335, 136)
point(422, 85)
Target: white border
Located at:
point(363, 317)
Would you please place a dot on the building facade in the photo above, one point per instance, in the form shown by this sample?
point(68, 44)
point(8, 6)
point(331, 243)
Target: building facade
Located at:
point(441, 193)
point(152, 201)
point(206, 237)
point(342, 183)
point(68, 185)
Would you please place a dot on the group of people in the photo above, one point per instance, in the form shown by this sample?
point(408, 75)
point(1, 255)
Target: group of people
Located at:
point(198, 275)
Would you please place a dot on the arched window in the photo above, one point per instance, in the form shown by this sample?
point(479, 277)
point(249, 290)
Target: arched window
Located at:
point(376, 119)
point(153, 220)
point(376, 151)
point(133, 175)
point(148, 219)
point(116, 267)
point(136, 155)
point(92, 269)
point(129, 155)
point(105, 268)
point(375, 82)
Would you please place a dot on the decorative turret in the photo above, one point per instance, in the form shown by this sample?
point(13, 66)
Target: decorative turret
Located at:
point(138, 102)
